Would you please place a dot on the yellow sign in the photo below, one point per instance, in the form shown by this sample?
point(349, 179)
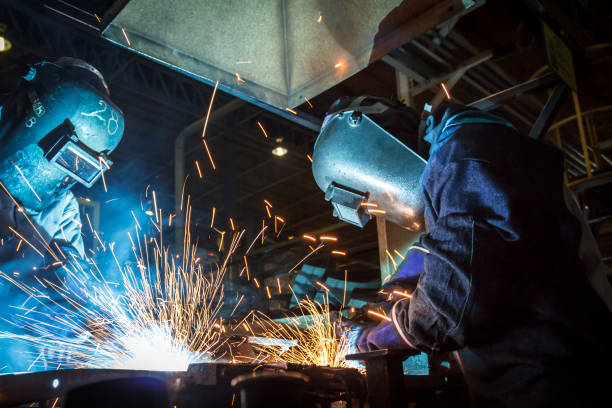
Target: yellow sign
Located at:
point(560, 58)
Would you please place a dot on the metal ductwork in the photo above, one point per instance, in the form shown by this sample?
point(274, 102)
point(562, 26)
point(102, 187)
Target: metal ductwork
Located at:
point(275, 53)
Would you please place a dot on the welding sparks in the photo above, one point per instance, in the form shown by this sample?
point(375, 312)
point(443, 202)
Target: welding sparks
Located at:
point(376, 211)
point(268, 211)
point(309, 158)
point(266, 202)
point(97, 18)
point(309, 104)
point(164, 319)
point(309, 237)
point(243, 62)
point(320, 18)
point(366, 204)
point(26, 180)
point(316, 329)
point(391, 258)
point(291, 111)
point(210, 105)
point(338, 65)
point(198, 167)
point(445, 90)
point(126, 37)
point(335, 252)
point(400, 255)
point(328, 238)
point(212, 220)
point(382, 316)
point(262, 129)
point(239, 80)
point(404, 294)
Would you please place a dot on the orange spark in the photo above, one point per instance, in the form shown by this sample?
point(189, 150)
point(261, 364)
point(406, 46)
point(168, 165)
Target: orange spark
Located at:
point(209, 155)
point(374, 211)
point(232, 224)
point(279, 218)
point(126, 37)
point(309, 158)
point(263, 130)
point(404, 294)
point(256, 282)
point(400, 255)
point(279, 286)
point(268, 203)
point(382, 316)
point(365, 204)
point(97, 18)
point(445, 90)
point(198, 167)
point(320, 18)
point(268, 291)
point(268, 211)
point(212, 220)
point(309, 237)
point(338, 65)
point(291, 111)
point(309, 104)
point(323, 286)
point(328, 238)
point(338, 253)
point(238, 79)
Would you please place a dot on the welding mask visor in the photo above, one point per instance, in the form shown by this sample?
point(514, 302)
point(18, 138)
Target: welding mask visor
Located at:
point(364, 161)
point(63, 148)
point(57, 128)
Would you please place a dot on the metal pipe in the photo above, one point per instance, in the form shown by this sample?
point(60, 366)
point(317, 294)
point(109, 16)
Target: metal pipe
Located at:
point(585, 152)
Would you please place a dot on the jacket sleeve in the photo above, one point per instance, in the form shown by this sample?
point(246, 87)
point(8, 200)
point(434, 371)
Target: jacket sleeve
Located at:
point(469, 204)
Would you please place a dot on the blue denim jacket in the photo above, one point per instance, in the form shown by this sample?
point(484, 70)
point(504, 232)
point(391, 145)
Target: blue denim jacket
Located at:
point(502, 281)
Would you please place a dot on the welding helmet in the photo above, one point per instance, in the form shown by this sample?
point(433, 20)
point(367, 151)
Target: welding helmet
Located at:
point(364, 161)
point(58, 128)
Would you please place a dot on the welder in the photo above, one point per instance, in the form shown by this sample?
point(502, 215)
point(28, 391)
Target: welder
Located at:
point(57, 128)
point(505, 275)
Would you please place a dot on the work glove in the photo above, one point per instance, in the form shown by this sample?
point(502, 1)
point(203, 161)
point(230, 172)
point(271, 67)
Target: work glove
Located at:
point(406, 278)
point(382, 336)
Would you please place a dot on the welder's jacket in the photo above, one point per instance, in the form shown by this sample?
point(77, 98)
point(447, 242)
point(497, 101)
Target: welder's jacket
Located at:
point(502, 280)
point(55, 229)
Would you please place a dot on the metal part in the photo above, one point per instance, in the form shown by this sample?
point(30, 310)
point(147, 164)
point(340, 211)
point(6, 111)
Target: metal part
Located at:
point(515, 92)
point(272, 390)
point(547, 114)
point(205, 384)
point(354, 161)
point(385, 376)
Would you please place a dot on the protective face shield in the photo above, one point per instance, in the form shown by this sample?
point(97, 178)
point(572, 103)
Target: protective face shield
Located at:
point(362, 162)
point(56, 129)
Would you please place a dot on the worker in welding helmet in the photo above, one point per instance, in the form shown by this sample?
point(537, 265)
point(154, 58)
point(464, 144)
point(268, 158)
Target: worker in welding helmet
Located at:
point(503, 278)
point(56, 129)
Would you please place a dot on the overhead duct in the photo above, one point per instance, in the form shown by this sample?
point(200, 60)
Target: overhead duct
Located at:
point(274, 52)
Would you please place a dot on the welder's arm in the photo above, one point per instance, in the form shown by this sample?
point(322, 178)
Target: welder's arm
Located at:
point(69, 232)
point(472, 206)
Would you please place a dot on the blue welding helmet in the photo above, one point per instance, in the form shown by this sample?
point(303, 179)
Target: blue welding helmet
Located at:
point(58, 128)
point(364, 161)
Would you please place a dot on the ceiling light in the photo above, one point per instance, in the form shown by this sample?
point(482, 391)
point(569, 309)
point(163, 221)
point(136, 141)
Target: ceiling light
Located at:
point(279, 151)
point(5, 44)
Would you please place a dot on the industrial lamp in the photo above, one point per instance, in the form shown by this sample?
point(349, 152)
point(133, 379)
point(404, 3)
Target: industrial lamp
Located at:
point(5, 44)
point(280, 150)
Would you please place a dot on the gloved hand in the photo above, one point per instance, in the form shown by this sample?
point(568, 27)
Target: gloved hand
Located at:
point(406, 277)
point(380, 337)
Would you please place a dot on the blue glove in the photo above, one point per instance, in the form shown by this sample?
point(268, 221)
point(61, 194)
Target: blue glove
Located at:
point(380, 337)
point(408, 272)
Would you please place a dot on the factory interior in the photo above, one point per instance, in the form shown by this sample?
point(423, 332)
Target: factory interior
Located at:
point(307, 203)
